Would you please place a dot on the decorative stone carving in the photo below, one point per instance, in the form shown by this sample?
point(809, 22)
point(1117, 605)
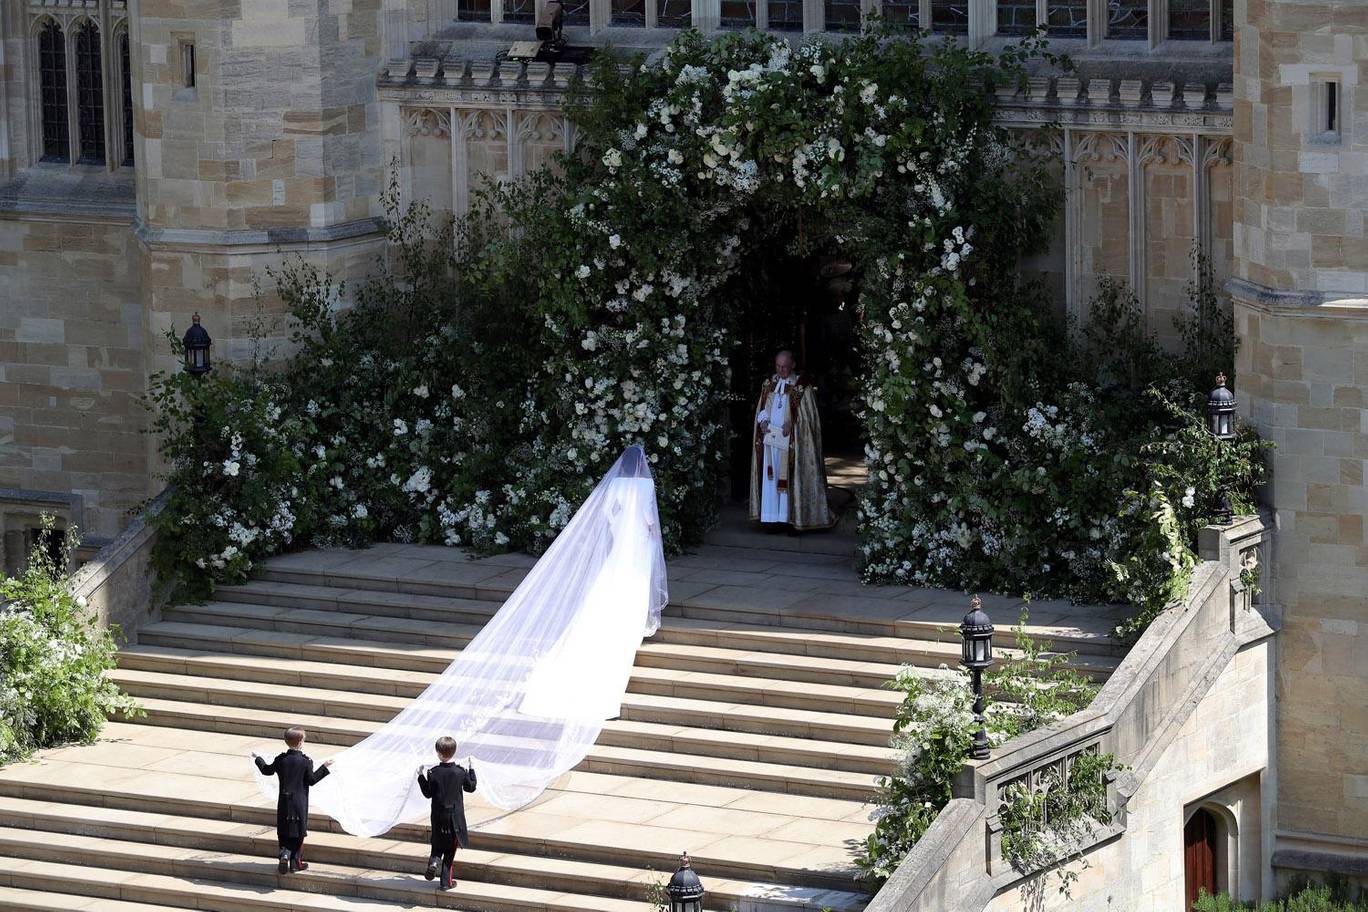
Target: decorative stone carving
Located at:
point(1099, 91)
point(425, 70)
point(481, 72)
point(1066, 90)
point(1131, 91)
point(537, 72)
point(427, 122)
point(1162, 94)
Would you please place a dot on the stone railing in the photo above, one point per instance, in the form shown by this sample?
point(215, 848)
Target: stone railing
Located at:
point(118, 582)
point(958, 865)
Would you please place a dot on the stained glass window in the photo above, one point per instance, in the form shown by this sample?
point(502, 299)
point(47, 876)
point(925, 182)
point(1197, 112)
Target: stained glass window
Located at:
point(842, 15)
point(1016, 17)
point(738, 13)
point(90, 94)
point(1190, 20)
point(950, 16)
point(785, 15)
point(902, 13)
point(674, 14)
point(126, 98)
point(1128, 19)
point(53, 87)
point(474, 11)
point(1227, 20)
point(629, 13)
point(1068, 19)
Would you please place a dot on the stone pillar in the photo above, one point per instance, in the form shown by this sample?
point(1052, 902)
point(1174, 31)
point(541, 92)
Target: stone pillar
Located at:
point(275, 146)
point(1300, 293)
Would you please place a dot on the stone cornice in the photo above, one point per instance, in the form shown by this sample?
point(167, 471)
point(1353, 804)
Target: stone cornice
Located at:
point(210, 240)
point(1101, 104)
point(1340, 305)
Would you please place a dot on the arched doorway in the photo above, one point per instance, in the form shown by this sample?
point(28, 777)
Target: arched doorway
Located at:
point(1200, 849)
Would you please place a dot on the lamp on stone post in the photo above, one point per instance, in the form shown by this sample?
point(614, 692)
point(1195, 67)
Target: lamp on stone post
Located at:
point(976, 635)
point(197, 344)
point(685, 889)
point(1221, 422)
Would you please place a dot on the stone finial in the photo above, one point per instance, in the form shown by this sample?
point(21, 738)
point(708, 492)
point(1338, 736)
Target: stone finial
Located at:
point(1162, 94)
point(398, 69)
point(481, 71)
point(1099, 91)
point(508, 73)
point(1066, 90)
point(1130, 92)
point(453, 70)
point(537, 72)
point(1005, 92)
point(425, 69)
point(1225, 96)
point(563, 73)
point(1038, 88)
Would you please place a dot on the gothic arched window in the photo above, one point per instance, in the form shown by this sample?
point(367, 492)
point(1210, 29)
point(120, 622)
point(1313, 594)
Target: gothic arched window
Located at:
point(127, 79)
point(90, 94)
point(52, 79)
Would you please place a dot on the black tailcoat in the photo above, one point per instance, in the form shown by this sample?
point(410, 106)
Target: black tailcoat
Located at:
point(446, 784)
point(296, 773)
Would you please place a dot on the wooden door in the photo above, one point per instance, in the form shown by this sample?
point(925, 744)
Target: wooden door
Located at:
point(1199, 855)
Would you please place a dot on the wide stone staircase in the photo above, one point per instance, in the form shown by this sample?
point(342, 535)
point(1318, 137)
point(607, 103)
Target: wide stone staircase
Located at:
point(754, 730)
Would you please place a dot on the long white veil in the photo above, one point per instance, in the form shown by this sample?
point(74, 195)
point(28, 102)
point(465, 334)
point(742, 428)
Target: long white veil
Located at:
point(528, 696)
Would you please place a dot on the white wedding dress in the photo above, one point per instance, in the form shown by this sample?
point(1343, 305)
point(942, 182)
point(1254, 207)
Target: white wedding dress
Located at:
point(527, 698)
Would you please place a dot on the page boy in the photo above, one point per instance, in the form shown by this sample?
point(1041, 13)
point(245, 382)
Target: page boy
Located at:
point(296, 773)
point(446, 784)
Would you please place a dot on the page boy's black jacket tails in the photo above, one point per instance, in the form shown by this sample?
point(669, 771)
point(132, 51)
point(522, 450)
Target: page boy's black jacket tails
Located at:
point(296, 773)
point(445, 785)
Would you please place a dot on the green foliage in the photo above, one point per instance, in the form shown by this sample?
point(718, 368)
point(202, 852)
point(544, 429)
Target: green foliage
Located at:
point(53, 659)
point(1311, 898)
point(1047, 824)
point(935, 727)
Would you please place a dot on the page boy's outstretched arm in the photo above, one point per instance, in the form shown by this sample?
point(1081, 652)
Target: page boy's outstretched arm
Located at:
point(315, 775)
point(469, 784)
point(424, 785)
point(267, 769)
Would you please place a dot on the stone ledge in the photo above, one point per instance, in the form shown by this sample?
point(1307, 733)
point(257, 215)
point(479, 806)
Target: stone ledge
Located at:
point(269, 237)
point(1297, 303)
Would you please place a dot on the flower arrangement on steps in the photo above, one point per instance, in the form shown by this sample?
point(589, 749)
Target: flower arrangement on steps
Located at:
point(492, 368)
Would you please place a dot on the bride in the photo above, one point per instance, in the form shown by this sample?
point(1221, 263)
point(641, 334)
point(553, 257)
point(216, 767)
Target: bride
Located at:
point(527, 698)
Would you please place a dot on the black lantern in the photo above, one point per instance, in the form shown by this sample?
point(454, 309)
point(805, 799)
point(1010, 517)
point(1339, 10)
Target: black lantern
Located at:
point(1221, 421)
point(197, 344)
point(976, 635)
point(1221, 410)
point(685, 889)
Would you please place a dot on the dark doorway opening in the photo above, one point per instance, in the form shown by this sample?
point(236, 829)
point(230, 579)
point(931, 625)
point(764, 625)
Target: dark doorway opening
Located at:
point(806, 305)
point(1199, 855)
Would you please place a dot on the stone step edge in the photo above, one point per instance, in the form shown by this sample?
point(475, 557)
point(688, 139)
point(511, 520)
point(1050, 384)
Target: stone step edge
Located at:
point(852, 758)
point(693, 768)
point(188, 832)
point(870, 731)
point(865, 701)
point(417, 833)
point(688, 608)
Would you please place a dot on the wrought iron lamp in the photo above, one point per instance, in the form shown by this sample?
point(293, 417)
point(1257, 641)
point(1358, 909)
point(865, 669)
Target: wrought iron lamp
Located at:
point(685, 889)
point(1221, 422)
point(976, 636)
point(197, 344)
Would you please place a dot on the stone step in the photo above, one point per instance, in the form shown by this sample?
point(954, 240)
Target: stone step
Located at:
point(646, 736)
point(386, 854)
point(189, 878)
point(549, 828)
point(373, 633)
point(840, 654)
point(741, 598)
point(626, 761)
point(15, 899)
point(338, 676)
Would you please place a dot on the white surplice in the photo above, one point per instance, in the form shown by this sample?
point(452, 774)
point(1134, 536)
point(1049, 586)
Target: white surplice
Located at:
point(774, 502)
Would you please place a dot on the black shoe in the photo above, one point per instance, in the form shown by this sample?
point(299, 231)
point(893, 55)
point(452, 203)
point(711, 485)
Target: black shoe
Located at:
point(433, 864)
point(284, 866)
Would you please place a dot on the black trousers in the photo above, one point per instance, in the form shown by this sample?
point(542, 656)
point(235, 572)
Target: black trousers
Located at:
point(444, 847)
point(294, 846)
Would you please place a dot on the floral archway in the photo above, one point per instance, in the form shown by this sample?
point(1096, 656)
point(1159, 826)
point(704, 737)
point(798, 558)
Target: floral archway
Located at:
point(472, 397)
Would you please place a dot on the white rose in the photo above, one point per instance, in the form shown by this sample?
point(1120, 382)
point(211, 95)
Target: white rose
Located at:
point(615, 241)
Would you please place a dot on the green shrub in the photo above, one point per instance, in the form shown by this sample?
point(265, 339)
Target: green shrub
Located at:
point(53, 659)
point(1315, 898)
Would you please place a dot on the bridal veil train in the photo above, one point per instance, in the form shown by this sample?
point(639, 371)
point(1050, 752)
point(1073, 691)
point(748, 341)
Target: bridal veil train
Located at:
point(528, 696)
